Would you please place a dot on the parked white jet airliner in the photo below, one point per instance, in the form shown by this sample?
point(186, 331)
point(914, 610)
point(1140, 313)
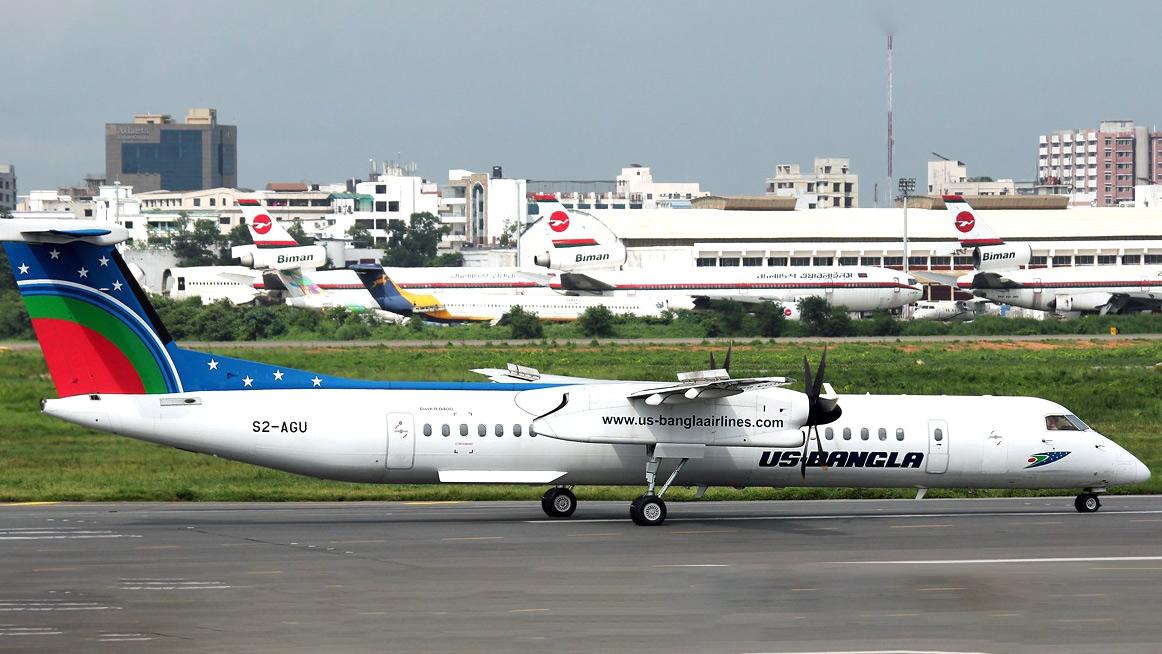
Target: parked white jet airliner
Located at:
point(856, 288)
point(1065, 290)
point(116, 369)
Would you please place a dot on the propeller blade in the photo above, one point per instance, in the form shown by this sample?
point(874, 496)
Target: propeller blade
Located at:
point(819, 377)
point(803, 459)
point(807, 377)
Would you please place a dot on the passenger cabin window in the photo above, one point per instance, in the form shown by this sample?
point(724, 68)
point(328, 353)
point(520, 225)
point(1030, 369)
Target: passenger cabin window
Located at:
point(463, 429)
point(427, 430)
point(900, 434)
point(883, 434)
point(446, 430)
point(516, 430)
point(937, 434)
point(863, 433)
point(481, 430)
point(829, 433)
point(847, 433)
point(499, 430)
point(1066, 422)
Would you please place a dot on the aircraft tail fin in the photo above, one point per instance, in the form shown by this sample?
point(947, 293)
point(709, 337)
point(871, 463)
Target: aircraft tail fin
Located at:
point(96, 326)
point(971, 229)
point(264, 229)
point(390, 296)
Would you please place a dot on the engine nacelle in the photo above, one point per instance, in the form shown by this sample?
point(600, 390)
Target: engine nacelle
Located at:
point(588, 257)
point(1007, 256)
point(303, 256)
point(1084, 302)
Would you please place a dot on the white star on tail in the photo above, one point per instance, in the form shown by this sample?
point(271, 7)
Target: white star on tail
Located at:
point(116, 286)
point(278, 375)
point(23, 269)
point(54, 254)
point(83, 272)
point(247, 381)
point(213, 364)
point(104, 261)
point(316, 381)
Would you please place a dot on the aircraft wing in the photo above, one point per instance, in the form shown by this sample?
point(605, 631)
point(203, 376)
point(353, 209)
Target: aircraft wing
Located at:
point(936, 278)
point(705, 389)
point(515, 374)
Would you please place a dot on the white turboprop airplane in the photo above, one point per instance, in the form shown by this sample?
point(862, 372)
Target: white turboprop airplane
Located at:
point(953, 310)
point(116, 369)
point(211, 283)
point(294, 267)
point(857, 288)
point(1066, 290)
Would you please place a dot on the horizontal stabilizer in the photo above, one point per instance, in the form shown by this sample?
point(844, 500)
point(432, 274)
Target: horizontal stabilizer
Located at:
point(54, 230)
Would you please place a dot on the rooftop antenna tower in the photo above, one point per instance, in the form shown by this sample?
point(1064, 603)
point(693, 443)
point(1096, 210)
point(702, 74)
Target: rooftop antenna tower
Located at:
point(891, 138)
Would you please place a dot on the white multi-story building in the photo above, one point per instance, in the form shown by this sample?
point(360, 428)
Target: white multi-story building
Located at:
point(479, 207)
point(634, 188)
point(395, 194)
point(951, 177)
point(830, 184)
point(7, 187)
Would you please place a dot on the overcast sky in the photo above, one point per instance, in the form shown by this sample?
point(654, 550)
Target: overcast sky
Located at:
point(716, 92)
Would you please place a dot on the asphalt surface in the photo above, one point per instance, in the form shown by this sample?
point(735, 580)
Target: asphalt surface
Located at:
point(1021, 575)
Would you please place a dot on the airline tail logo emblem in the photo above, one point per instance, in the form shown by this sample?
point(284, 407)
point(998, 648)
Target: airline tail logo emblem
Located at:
point(559, 221)
point(965, 221)
point(261, 223)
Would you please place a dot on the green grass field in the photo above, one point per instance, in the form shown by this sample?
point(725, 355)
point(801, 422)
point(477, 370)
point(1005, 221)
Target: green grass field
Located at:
point(1116, 386)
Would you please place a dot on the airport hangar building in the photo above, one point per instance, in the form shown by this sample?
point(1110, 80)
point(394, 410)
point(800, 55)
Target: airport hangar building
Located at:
point(681, 239)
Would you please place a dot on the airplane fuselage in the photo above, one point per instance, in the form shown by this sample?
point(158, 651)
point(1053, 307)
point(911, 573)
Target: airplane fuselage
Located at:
point(475, 436)
point(1084, 289)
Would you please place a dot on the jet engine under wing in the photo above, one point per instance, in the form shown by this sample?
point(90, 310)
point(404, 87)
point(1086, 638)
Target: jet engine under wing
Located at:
point(584, 283)
point(708, 387)
point(992, 280)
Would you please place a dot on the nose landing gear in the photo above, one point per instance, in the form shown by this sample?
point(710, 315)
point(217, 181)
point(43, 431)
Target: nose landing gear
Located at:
point(1087, 502)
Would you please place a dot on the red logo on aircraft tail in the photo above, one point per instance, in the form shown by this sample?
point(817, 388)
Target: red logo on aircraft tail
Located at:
point(261, 223)
point(965, 221)
point(559, 221)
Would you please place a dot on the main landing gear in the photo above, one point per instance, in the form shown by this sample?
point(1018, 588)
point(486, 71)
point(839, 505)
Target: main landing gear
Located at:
point(1087, 502)
point(559, 502)
point(649, 510)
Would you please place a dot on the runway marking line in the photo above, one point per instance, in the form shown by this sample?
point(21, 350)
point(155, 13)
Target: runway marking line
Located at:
point(28, 503)
point(473, 538)
point(692, 565)
point(265, 572)
point(158, 547)
point(919, 526)
point(803, 590)
point(1063, 559)
point(706, 531)
point(529, 611)
point(856, 516)
point(433, 503)
point(940, 589)
point(55, 569)
point(1124, 568)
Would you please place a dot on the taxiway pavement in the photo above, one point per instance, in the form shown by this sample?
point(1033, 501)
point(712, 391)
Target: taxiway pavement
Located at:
point(1003, 575)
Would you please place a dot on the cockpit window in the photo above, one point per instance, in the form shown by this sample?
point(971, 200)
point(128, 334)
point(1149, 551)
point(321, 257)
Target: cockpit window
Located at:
point(1067, 422)
point(912, 281)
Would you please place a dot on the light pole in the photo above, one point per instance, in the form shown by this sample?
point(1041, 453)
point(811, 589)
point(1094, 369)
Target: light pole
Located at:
point(907, 185)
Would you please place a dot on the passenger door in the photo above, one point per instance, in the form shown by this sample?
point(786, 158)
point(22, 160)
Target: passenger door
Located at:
point(401, 441)
point(937, 446)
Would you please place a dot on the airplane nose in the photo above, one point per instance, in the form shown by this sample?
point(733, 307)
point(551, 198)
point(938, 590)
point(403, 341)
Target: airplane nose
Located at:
point(1134, 473)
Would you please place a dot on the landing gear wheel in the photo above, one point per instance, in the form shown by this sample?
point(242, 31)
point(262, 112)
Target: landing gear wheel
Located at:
point(648, 511)
point(559, 502)
point(1087, 503)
